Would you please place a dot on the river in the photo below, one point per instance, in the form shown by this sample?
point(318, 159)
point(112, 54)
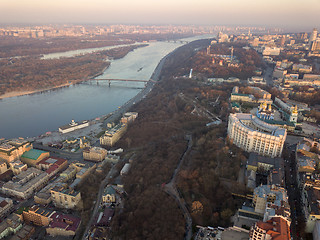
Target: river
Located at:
point(35, 114)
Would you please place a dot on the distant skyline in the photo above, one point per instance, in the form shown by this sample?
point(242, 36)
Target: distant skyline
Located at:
point(292, 15)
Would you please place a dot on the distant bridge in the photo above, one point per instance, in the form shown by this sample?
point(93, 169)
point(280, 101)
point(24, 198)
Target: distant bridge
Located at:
point(121, 80)
point(179, 41)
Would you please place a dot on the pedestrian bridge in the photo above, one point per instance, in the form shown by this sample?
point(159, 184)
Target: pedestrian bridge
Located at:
point(121, 80)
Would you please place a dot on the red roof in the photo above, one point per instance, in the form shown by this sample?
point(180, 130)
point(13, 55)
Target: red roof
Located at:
point(52, 169)
point(3, 203)
point(46, 161)
point(64, 221)
point(276, 227)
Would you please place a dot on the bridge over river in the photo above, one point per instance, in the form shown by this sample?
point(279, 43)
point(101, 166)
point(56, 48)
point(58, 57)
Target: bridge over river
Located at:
point(120, 80)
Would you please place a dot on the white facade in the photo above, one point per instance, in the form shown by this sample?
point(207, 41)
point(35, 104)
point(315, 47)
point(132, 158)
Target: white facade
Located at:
point(73, 126)
point(253, 135)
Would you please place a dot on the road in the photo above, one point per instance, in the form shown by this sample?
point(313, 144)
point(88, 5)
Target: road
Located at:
point(171, 189)
point(294, 194)
point(103, 184)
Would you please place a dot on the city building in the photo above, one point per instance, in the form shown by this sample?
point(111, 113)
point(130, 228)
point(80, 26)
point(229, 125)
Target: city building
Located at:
point(6, 205)
point(315, 46)
point(3, 166)
point(103, 219)
point(265, 112)
point(129, 117)
point(63, 225)
point(24, 233)
point(17, 167)
point(109, 195)
point(268, 194)
point(37, 216)
point(302, 68)
point(65, 197)
point(10, 225)
point(313, 36)
point(73, 126)
point(26, 183)
point(256, 80)
point(83, 170)
point(52, 165)
point(254, 135)
point(112, 158)
point(276, 228)
point(235, 97)
point(260, 93)
point(69, 173)
point(316, 231)
point(11, 150)
point(273, 165)
point(125, 169)
point(112, 135)
point(84, 142)
point(279, 73)
point(95, 154)
point(312, 212)
point(268, 51)
point(235, 232)
point(33, 156)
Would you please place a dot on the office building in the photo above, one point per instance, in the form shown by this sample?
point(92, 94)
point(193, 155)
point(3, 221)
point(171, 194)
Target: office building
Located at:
point(313, 36)
point(254, 135)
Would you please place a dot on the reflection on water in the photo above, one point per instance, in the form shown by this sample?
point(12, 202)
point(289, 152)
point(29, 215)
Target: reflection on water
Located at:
point(35, 114)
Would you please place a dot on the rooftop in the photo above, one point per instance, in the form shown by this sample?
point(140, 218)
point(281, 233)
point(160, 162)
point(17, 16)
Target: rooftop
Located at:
point(33, 154)
point(64, 221)
point(276, 227)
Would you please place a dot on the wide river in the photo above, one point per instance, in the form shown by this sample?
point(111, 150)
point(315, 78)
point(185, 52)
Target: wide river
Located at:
point(35, 114)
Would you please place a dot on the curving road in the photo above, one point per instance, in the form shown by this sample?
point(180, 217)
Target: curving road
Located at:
point(170, 188)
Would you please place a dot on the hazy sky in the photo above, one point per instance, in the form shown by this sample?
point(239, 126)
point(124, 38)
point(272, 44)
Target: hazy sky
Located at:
point(291, 13)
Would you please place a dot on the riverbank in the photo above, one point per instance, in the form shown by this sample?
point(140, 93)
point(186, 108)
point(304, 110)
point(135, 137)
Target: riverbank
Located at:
point(83, 101)
point(36, 75)
point(22, 93)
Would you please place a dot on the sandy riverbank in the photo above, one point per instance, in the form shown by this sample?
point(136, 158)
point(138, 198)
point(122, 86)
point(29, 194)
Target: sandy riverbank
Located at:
point(21, 93)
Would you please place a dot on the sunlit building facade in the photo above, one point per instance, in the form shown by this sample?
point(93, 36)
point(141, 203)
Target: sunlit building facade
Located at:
point(254, 135)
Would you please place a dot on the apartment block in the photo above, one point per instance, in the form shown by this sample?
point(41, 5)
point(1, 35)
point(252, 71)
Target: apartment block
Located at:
point(112, 135)
point(65, 197)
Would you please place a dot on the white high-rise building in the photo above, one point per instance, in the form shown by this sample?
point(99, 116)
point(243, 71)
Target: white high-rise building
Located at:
point(313, 36)
point(254, 135)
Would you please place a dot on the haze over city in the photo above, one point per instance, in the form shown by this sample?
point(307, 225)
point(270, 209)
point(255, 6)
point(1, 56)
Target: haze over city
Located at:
point(160, 119)
point(291, 15)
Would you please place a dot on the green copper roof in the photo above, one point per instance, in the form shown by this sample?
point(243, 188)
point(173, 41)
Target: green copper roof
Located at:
point(33, 154)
